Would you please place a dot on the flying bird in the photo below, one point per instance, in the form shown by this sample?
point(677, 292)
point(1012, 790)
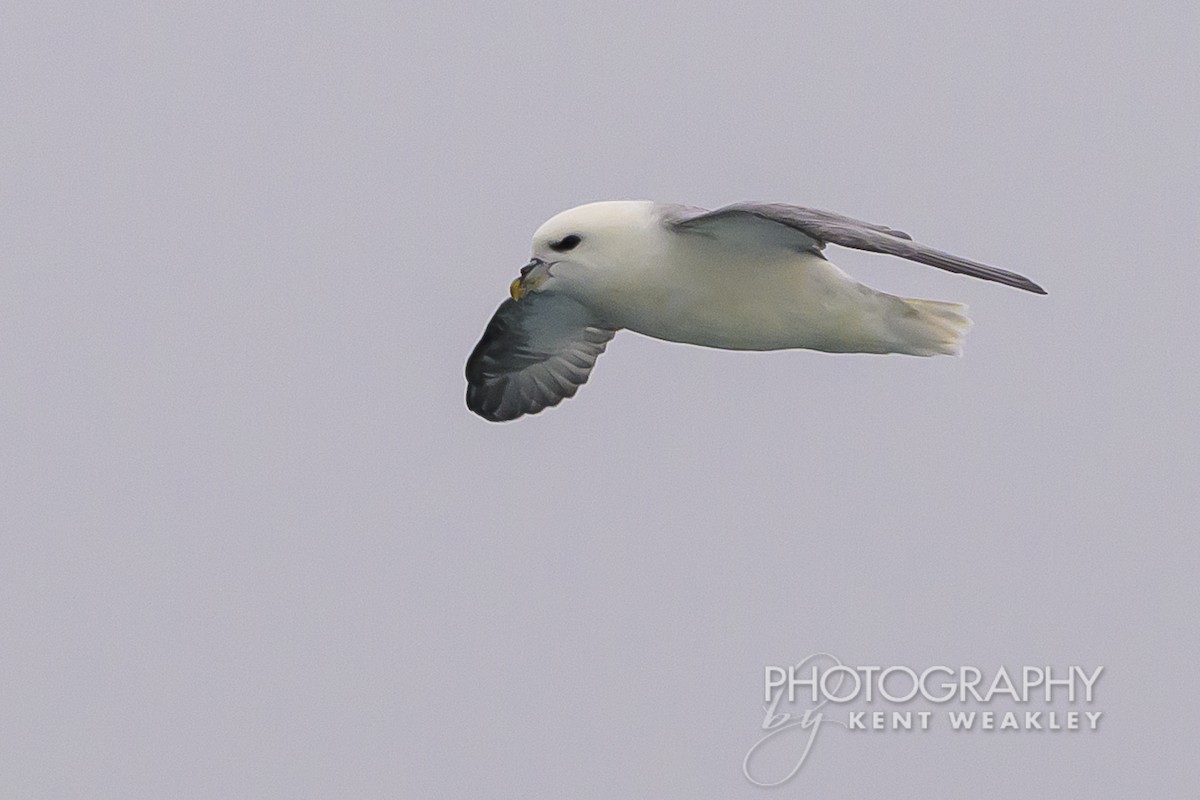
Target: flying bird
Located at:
point(749, 276)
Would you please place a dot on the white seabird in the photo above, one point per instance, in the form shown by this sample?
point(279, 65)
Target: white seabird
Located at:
point(749, 276)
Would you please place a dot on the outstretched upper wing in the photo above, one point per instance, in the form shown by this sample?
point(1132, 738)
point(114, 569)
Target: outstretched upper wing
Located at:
point(825, 226)
point(534, 352)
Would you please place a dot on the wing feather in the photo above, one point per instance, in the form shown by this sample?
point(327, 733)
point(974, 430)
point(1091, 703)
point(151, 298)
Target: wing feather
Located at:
point(534, 353)
point(826, 226)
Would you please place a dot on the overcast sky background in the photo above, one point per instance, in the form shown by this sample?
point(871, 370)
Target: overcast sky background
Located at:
point(254, 545)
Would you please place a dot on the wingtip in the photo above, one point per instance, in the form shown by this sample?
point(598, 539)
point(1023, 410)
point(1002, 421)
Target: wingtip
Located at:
point(1018, 282)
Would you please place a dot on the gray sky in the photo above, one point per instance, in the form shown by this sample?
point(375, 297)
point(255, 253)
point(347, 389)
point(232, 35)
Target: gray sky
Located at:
point(256, 546)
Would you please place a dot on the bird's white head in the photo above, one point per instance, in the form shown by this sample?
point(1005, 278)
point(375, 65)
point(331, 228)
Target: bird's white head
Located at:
point(580, 250)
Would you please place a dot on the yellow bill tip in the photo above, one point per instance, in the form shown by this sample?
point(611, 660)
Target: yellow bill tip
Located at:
point(516, 289)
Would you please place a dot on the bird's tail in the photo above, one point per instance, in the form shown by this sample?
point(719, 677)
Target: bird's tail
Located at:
point(927, 327)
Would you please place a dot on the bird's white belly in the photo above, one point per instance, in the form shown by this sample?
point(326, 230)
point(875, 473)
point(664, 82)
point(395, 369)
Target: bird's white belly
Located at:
point(784, 300)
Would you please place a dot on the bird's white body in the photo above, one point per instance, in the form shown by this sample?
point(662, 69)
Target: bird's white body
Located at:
point(749, 276)
point(745, 289)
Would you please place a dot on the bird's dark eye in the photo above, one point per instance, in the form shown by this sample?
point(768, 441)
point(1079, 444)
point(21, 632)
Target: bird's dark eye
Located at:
point(565, 244)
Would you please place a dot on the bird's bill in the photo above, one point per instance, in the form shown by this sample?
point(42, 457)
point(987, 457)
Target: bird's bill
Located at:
point(533, 275)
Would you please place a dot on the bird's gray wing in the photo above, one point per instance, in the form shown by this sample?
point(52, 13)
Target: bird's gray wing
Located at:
point(824, 226)
point(535, 352)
